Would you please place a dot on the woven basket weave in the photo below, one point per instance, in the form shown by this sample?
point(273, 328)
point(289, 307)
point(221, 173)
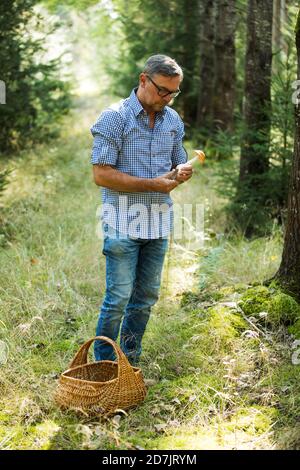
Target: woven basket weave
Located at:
point(100, 387)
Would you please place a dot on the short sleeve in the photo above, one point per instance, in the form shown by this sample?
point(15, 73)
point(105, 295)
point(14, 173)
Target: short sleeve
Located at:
point(179, 154)
point(107, 133)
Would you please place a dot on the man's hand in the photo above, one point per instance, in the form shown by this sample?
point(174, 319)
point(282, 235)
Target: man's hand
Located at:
point(164, 184)
point(184, 172)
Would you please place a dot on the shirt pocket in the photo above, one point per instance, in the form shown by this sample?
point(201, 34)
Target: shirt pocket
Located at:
point(162, 151)
point(164, 142)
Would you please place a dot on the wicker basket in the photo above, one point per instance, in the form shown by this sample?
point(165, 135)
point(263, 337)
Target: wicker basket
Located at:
point(100, 387)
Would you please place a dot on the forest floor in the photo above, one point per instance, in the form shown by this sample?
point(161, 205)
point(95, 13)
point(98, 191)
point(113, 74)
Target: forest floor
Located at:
point(219, 380)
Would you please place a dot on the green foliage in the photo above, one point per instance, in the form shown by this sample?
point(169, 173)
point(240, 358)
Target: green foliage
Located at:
point(173, 32)
point(269, 306)
point(295, 329)
point(297, 28)
point(35, 97)
point(259, 204)
point(209, 264)
point(4, 180)
point(222, 145)
point(53, 5)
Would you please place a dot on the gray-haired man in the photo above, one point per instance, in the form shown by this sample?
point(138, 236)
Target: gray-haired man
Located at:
point(137, 147)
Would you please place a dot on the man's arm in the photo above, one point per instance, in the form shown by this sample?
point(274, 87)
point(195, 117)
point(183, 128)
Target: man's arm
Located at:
point(109, 177)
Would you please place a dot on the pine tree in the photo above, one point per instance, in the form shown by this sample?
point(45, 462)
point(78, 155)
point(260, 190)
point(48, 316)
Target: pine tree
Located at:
point(35, 97)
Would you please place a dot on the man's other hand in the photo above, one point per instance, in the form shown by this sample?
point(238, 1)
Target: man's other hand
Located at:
point(184, 172)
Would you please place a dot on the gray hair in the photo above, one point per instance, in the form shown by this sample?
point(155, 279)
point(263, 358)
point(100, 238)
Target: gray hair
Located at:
point(162, 65)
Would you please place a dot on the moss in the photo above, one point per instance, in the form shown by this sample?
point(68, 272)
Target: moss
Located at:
point(192, 438)
point(255, 420)
point(224, 325)
point(189, 298)
point(5, 418)
point(295, 329)
point(216, 296)
point(283, 308)
point(280, 307)
point(63, 345)
point(255, 299)
point(240, 287)
point(228, 290)
point(39, 366)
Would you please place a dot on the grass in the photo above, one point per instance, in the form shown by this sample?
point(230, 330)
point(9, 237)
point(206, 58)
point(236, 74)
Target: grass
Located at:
point(218, 385)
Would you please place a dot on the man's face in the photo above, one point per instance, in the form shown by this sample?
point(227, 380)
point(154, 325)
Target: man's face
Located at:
point(151, 95)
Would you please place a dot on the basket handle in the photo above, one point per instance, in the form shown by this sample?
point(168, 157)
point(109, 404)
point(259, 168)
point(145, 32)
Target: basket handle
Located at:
point(81, 356)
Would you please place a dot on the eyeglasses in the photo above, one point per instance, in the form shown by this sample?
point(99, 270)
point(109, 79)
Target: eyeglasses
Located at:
point(163, 92)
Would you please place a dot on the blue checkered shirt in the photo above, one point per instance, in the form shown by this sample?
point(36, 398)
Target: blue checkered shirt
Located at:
point(124, 140)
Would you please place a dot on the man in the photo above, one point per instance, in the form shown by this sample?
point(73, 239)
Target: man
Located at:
point(138, 158)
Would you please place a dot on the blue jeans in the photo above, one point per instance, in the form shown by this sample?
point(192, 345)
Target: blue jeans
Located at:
point(133, 276)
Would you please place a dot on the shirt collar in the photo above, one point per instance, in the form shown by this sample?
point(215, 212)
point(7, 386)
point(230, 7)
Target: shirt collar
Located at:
point(136, 105)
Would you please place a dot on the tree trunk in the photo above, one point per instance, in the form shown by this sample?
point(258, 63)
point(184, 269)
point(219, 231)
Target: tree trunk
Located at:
point(191, 21)
point(257, 88)
point(225, 76)
point(289, 271)
point(276, 34)
point(207, 65)
point(254, 162)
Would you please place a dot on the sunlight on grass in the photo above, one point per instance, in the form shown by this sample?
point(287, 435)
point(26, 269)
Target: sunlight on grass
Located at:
point(250, 428)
